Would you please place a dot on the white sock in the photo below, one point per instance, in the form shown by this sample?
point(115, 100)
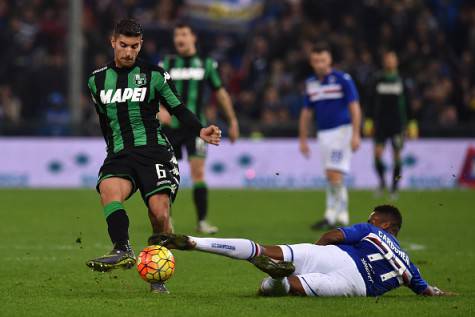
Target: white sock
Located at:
point(241, 249)
point(330, 212)
point(342, 205)
point(275, 287)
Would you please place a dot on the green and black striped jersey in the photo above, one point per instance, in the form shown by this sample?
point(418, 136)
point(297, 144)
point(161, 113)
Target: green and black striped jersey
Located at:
point(127, 100)
point(389, 105)
point(190, 74)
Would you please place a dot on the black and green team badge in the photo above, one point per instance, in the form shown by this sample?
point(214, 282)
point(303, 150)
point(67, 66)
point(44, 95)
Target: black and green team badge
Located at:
point(140, 79)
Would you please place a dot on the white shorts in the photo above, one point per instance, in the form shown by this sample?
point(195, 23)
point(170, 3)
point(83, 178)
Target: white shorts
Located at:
point(325, 270)
point(335, 148)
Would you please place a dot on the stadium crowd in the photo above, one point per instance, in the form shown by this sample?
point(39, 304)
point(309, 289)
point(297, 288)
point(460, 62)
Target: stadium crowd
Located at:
point(263, 68)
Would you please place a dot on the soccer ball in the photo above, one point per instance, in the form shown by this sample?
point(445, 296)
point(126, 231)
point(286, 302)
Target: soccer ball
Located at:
point(155, 264)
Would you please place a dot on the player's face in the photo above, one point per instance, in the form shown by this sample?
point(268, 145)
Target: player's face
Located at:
point(390, 61)
point(184, 40)
point(321, 62)
point(126, 49)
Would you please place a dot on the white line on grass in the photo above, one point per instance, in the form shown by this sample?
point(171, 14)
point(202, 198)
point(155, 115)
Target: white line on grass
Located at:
point(411, 246)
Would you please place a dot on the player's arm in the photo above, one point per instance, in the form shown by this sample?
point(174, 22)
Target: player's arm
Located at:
point(345, 235)
point(304, 120)
point(332, 237)
point(164, 116)
point(355, 112)
point(91, 85)
point(352, 97)
point(224, 100)
point(419, 286)
point(170, 100)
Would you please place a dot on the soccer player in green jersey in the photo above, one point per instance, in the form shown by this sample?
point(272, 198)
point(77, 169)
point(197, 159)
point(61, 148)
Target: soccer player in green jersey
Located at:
point(126, 94)
point(191, 72)
point(388, 117)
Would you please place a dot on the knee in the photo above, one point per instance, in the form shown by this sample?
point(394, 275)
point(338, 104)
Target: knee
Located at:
point(335, 180)
point(197, 170)
point(378, 152)
point(110, 196)
point(397, 156)
point(114, 189)
point(197, 175)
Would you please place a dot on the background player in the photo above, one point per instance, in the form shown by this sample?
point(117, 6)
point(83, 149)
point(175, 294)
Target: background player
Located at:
point(387, 115)
point(126, 94)
point(191, 72)
point(362, 260)
point(332, 95)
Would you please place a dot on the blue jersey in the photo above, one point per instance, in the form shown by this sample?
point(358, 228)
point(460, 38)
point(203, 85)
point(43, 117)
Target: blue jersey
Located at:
point(380, 260)
point(329, 98)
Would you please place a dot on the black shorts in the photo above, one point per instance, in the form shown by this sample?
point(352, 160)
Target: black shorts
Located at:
point(151, 169)
point(179, 138)
point(396, 138)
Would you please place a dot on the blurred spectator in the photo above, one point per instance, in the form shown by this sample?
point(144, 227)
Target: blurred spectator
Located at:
point(57, 116)
point(10, 107)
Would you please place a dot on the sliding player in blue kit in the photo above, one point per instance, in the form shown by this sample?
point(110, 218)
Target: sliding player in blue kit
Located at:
point(360, 260)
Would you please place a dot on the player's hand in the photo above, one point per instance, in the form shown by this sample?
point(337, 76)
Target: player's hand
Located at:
point(211, 135)
point(304, 149)
point(233, 130)
point(355, 141)
point(412, 130)
point(164, 116)
point(368, 128)
point(435, 291)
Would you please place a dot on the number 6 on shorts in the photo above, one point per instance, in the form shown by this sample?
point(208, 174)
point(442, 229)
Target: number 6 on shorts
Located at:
point(161, 173)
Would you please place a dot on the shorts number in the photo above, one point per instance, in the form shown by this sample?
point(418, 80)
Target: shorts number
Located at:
point(161, 173)
point(336, 156)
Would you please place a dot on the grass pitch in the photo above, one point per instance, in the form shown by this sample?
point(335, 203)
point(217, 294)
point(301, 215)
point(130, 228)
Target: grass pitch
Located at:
point(47, 235)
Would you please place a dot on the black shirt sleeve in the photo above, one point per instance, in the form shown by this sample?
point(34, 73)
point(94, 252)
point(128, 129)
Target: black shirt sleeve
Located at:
point(188, 118)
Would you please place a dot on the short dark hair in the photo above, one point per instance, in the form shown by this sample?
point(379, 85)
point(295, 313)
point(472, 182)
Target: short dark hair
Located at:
point(182, 25)
point(392, 213)
point(128, 27)
point(321, 47)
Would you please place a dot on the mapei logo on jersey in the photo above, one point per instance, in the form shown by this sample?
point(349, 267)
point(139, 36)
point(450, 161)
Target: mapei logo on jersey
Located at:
point(140, 79)
point(389, 88)
point(123, 95)
point(187, 73)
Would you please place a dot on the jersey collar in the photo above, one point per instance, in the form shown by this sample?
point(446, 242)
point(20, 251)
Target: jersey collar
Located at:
point(124, 69)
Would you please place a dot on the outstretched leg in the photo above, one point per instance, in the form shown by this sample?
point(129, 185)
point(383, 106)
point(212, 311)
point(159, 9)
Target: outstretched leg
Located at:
point(114, 192)
point(241, 249)
point(277, 261)
point(266, 258)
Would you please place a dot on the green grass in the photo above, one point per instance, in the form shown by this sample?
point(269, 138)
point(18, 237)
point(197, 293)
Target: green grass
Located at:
point(43, 272)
